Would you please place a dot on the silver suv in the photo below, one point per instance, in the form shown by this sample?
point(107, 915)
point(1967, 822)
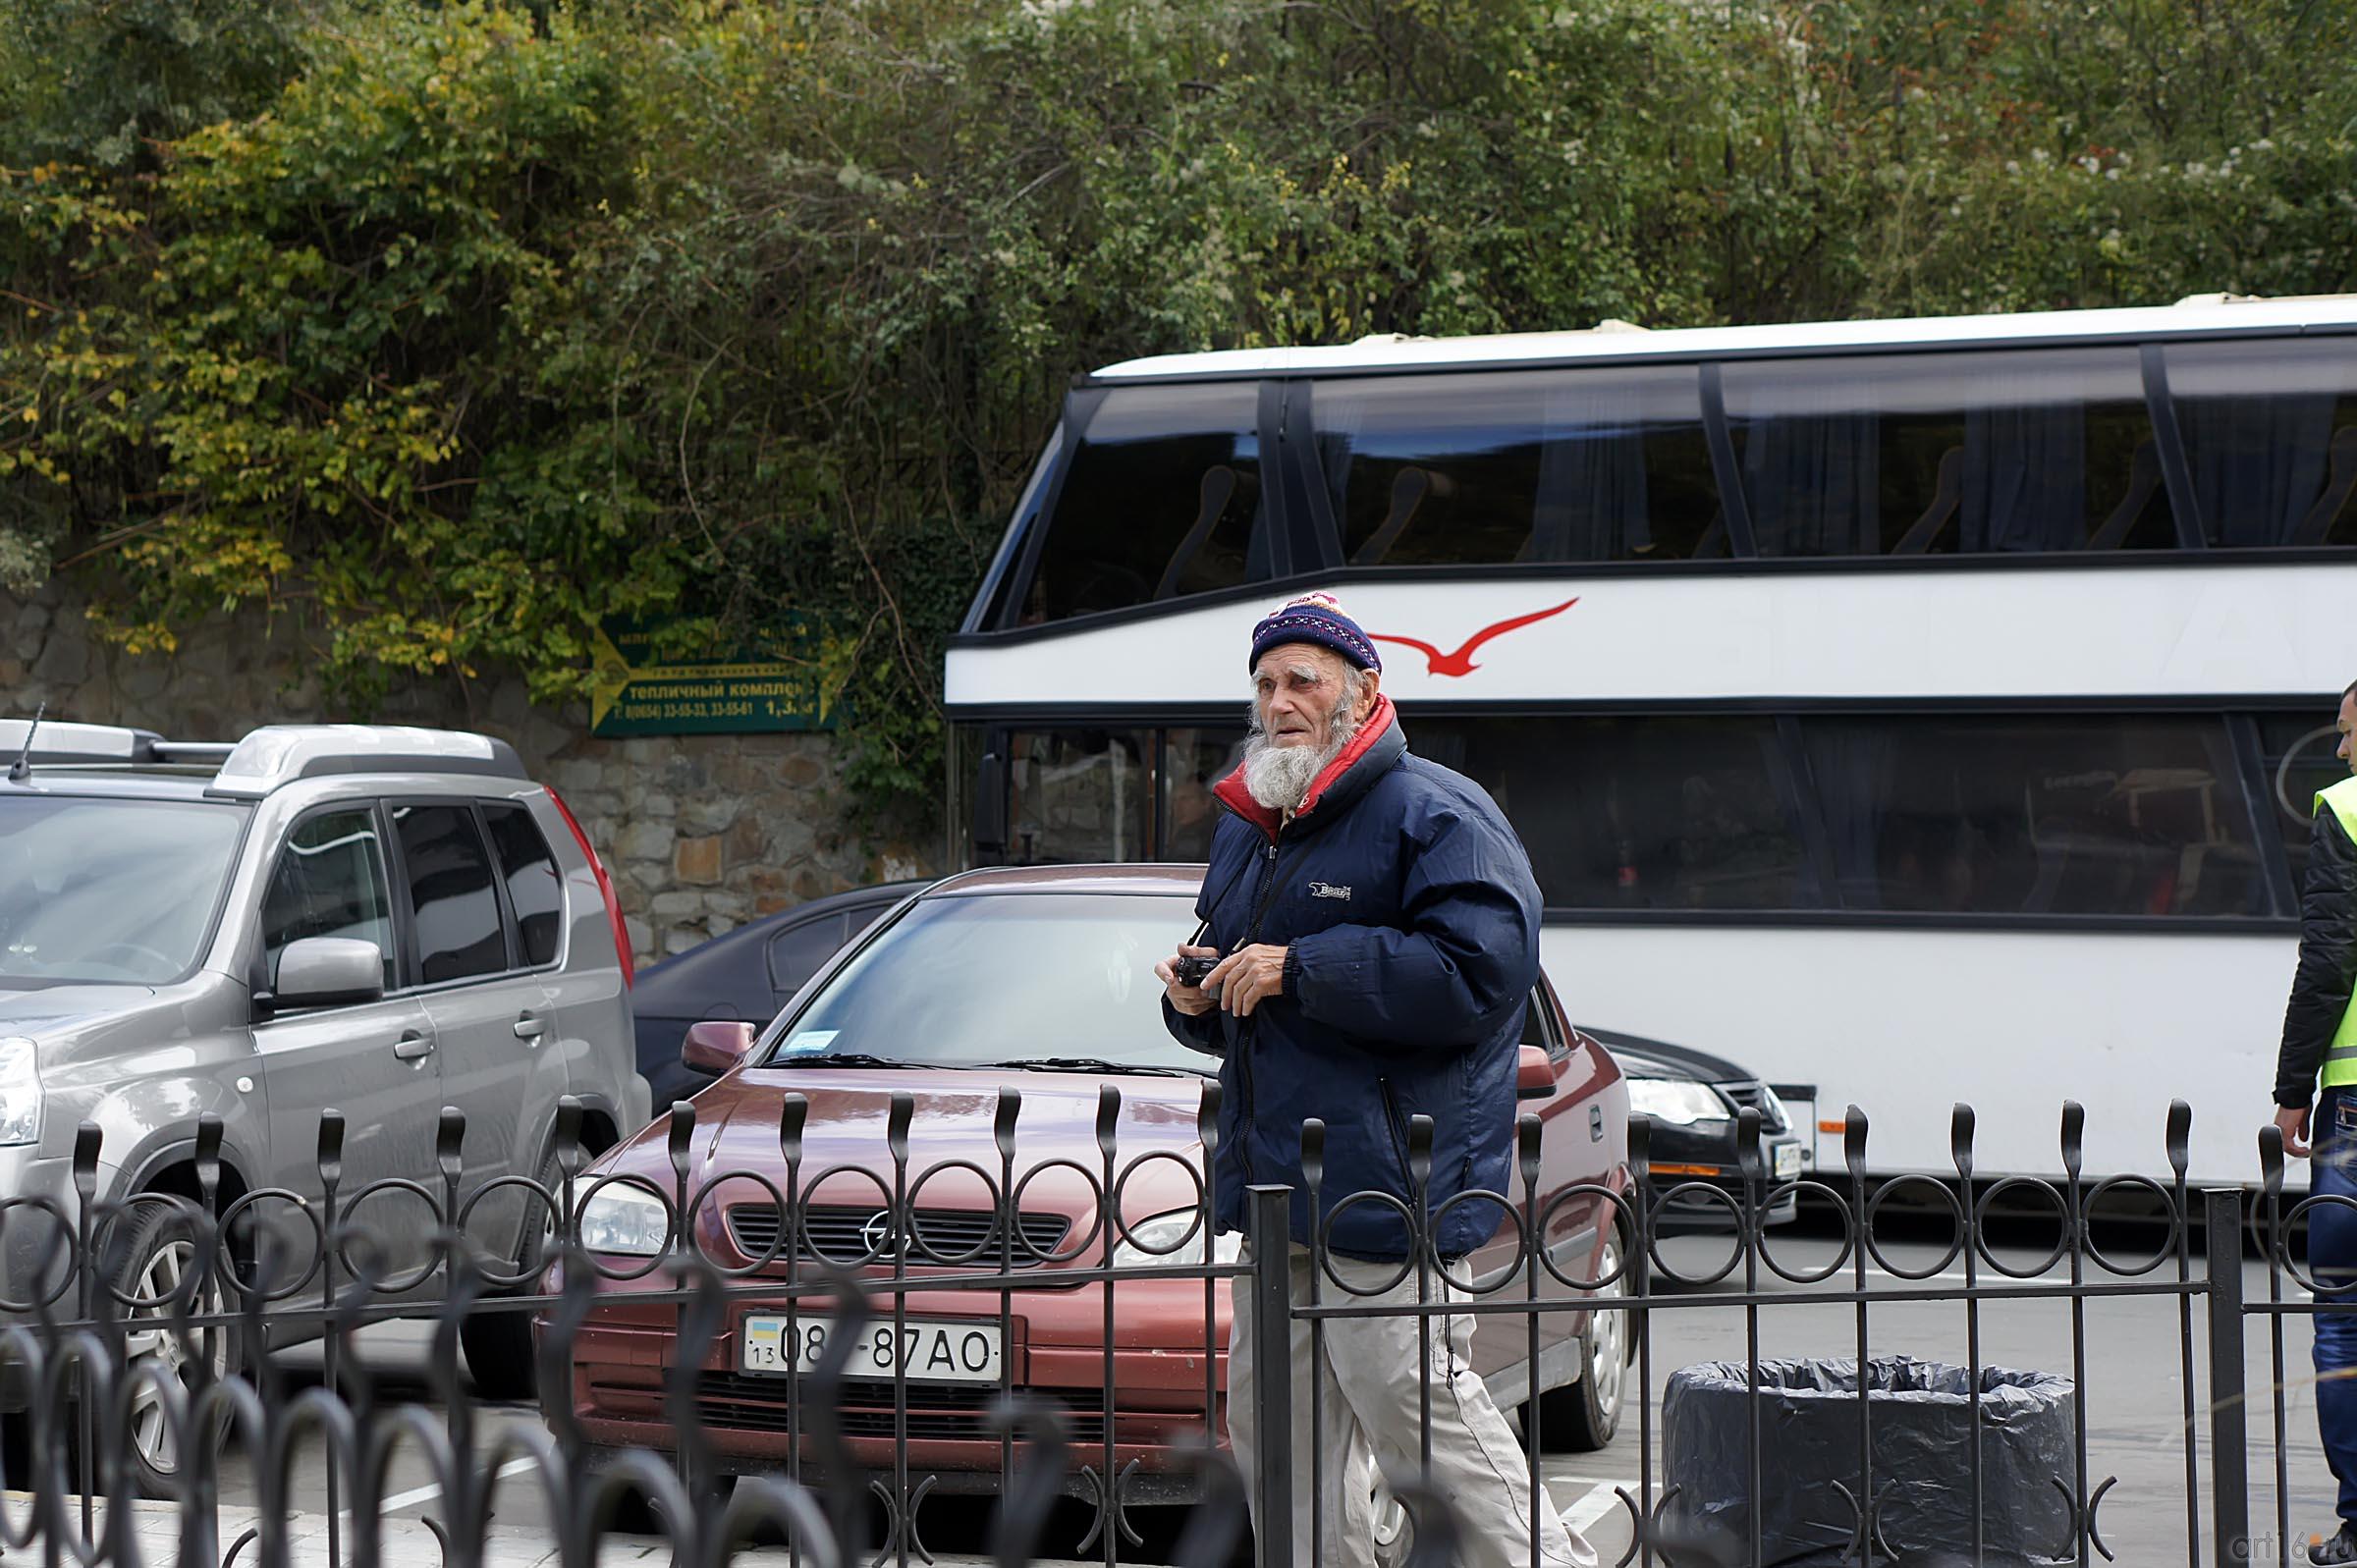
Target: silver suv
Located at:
point(379, 920)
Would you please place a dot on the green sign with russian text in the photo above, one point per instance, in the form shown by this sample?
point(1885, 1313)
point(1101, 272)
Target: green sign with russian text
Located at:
point(662, 677)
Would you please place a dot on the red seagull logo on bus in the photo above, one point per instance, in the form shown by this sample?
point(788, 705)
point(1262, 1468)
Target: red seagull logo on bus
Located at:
point(1460, 662)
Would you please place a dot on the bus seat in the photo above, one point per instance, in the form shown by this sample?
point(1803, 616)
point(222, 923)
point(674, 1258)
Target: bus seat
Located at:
point(1947, 495)
point(1714, 538)
point(2186, 893)
point(2052, 860)
point(1218, 489)
point(2144, 477)
point(1409, 486)
point(1549, 521)
point(2317, 526)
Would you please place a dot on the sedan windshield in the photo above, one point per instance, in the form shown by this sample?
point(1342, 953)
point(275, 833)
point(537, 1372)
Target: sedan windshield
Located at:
point(986, 978)
point(109, 891)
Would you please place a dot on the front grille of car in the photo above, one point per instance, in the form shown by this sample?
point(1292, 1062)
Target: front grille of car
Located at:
point(751, 1403)
point(747, 1402)
point(1756, 1097)
point(850, 1234)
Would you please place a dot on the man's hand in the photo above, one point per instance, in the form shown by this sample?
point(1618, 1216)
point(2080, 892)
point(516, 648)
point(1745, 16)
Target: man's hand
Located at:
point(1247, 977)
point(1193, 1001)
point(2293, 1119)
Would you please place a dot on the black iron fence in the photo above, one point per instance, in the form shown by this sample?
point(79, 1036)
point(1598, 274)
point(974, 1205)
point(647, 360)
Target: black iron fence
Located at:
point(817, 1354)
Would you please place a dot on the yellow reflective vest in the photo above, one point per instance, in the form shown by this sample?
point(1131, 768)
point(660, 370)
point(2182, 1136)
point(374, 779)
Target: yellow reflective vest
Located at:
point(2341, 1056)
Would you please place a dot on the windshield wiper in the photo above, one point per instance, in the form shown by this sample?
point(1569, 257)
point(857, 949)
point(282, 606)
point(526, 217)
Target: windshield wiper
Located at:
point(842, 1059)
point(1094, 1064)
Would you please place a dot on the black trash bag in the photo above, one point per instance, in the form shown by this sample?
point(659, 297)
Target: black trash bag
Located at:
point(1921, 1424)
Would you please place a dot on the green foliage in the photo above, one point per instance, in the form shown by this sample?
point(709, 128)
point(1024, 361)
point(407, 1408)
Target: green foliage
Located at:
point(103, 81)
point(455, 328)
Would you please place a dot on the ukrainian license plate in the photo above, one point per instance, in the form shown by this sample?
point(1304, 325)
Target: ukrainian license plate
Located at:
point(933, 1351)
point(1787, 1162)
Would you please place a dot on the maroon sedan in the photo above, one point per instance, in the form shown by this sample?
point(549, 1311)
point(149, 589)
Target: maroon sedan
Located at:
point(1040, 980)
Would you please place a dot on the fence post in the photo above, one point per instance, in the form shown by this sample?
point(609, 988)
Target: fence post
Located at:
point(1271, 1234)
point(2229, 1457)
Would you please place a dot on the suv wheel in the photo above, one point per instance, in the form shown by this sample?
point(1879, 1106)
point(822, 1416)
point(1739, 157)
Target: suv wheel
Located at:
point(151, 1267)
point(499, 1340)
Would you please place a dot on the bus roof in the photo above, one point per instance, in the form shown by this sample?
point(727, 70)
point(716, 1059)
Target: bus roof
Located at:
point(2203, 316)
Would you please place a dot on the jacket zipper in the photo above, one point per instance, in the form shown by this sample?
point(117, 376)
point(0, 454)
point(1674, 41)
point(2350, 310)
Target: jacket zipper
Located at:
point(1399, 1128)
point(1265, 896)
point(1243, 1060)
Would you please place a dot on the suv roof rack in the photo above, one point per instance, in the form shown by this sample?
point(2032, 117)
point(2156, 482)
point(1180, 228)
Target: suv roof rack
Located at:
point(279, 754)
point(271, 757)
point(57, 743)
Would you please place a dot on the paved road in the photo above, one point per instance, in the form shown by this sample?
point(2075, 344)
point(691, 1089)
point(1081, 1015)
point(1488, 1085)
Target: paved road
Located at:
point(2134, 1391)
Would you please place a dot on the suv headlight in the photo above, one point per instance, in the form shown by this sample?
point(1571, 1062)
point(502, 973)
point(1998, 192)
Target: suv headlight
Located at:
point(625, 1219)
point(1676, 1101)
point(1163, 1242)
point(20, 1092)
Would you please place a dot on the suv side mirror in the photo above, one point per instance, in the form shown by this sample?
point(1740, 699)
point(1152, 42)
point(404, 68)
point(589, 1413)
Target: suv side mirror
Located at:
point(328, 972)
point(716, 1045)
point(1534, 1073)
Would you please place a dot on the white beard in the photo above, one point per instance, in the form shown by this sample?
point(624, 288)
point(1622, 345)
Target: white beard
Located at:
point(1279, 776)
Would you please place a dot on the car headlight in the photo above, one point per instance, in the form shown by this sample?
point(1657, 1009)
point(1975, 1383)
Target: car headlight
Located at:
point(1676, 1101)
point(1164, 1242)
point(20, 1092)
point(625, 1219)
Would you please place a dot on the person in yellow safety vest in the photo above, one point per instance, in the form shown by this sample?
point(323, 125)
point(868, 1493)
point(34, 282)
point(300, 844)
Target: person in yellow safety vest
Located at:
point(2320, 1042)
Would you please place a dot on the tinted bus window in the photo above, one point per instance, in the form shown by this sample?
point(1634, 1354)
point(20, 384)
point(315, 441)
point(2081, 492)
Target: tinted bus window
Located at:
point(2045, 814)
point(2094, 815)
point(1078, 795)
point(1161, 498)
point(2271, 437)
point(1193, 761)
point(1654, 813)
point(2299, 756)
point(1501, 466)
point(1955, 452)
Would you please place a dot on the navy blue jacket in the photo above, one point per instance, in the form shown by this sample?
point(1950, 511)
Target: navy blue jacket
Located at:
point(1411, 922)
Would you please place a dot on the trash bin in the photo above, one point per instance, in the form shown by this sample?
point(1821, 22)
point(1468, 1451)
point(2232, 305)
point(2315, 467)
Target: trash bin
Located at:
point(1921, 1415)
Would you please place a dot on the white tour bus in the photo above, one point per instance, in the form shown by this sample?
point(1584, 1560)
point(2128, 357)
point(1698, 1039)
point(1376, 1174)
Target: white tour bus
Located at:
point(1925, 710)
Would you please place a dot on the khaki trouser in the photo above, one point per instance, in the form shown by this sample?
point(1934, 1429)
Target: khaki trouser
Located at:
point(1371, 1408)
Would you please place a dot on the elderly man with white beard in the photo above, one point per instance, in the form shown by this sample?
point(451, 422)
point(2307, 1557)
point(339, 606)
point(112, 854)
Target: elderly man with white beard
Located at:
point(1375, 922)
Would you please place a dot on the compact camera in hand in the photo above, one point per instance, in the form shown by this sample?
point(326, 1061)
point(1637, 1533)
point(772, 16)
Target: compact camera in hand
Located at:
point(1192, 969)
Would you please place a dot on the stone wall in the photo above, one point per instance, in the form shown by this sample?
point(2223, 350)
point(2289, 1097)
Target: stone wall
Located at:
point(705, 833)
point(701, 833)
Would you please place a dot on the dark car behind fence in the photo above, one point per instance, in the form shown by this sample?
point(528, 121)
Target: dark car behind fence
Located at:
point(81, 1349)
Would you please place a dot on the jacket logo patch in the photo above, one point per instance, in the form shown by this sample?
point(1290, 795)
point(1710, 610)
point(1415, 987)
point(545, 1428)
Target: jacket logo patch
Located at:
point(1327, 890)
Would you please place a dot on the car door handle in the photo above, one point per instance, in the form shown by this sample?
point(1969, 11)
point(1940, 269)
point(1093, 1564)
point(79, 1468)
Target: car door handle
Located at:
point(412, 1048)
point(528, 1027)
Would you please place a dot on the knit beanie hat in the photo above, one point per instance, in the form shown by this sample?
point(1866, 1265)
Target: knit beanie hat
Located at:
point(1314, 617)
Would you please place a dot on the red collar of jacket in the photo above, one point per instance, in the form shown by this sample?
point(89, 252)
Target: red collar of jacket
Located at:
point(1232, 791)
